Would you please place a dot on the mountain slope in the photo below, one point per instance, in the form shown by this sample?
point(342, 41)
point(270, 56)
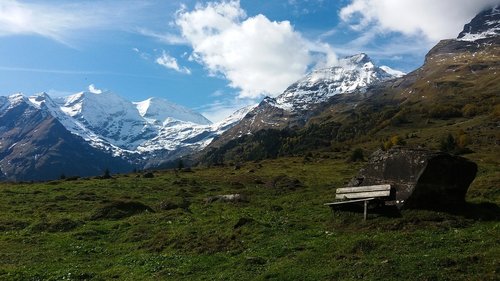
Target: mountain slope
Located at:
point(96, 124)
point(353, 73)
point(483, 26)
point(307, 96)
point(157, 110)
point(36, 146)
point(458, 84)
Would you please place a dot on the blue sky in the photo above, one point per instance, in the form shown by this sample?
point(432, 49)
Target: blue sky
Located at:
point(212, 56)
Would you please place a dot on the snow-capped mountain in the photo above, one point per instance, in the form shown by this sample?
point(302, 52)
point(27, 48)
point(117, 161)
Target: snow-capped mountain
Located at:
point(157, 110)
point(34, 145)
point(301, 99)
point(140, 134)
point(353, 73)
point(483, 26)
point(129, 129)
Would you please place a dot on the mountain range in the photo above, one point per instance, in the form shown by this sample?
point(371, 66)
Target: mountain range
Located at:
point(100, 130)
point(83, 134)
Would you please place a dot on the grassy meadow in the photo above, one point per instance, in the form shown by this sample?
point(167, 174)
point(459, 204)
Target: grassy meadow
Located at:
point(164, 228)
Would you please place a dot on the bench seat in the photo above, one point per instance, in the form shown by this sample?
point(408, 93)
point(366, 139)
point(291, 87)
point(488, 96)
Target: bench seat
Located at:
point(363, 194)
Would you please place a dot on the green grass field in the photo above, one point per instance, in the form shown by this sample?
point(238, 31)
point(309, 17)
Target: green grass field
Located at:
point(60, 230)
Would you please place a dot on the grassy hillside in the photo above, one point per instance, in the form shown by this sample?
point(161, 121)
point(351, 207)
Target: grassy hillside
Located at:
point(166, 229)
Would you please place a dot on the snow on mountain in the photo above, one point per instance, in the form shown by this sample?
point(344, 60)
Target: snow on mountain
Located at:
point(12, 101)
point(303, 98)
point(233, 118)
point(109, 116)
point(135, 131)
point(74, 125)
point(175, 134)
point(485, 25)
point(393, 72)
point(158, 110)
point(351, 74)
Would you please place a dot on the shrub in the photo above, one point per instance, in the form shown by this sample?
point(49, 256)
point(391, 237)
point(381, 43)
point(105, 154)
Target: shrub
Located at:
point(394, 140)
point(107, 174)
point(448, 144)
point(496, 111)
point(444, 112)
point(357, 155)
point(469, 110)
point(456, 145)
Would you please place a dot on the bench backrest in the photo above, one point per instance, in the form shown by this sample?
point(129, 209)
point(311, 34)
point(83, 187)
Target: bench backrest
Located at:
point(371, 191)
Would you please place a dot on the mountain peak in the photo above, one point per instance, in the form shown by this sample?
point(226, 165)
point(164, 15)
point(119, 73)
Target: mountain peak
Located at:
point(159, 110)
point(358, 59)
point(483, 26)
point(352, 73)
point(16, 99)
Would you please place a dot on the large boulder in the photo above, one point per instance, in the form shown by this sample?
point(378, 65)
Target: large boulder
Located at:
point(419, 178)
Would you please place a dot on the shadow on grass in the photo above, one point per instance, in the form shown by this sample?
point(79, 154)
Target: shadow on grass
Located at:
point(484, 211)
point(350, 217)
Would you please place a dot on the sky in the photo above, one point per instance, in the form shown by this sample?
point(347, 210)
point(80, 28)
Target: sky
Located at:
point(211, 56)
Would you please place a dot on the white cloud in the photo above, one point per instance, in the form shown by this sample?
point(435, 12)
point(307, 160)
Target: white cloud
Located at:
point(258, 56)
point(223, 108)
point(433, 19)
point(170, 62)
point(61, 21)
point(143, 55)
point(93, 89)
point(167, 38)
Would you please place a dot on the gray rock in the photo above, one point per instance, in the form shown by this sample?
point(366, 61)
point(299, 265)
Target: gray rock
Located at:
point(419, 178)
point(227, 198)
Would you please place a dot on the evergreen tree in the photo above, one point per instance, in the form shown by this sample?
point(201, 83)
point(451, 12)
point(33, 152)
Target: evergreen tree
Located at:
point(107, 174)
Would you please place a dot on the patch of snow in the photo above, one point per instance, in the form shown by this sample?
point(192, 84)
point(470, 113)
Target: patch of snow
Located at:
point(393, 72)
point(352, 74)
point(493, 32)
point(125, 129)
point(157, 110)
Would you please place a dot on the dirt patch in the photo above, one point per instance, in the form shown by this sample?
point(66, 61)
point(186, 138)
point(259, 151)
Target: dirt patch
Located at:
point(120, 209)
point(10, 225)
point(243, 221)
point(59, 225)
point(283, 182)
point(174, 204)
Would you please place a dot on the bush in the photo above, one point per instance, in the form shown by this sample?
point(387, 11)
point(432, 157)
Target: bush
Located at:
point(469, 110)
point(448, 144)
point(456, 145)
point(444, 112)
point(394, 140)
point(107, 174)
point(496, 111)
point(357, 155)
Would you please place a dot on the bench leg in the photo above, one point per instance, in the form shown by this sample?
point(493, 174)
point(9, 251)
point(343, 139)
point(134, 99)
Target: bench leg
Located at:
point(364, 213)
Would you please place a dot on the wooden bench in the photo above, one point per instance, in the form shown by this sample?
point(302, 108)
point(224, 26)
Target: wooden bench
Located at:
point(361, 194)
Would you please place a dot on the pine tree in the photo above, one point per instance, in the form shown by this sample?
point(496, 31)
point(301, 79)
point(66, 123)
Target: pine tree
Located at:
point(107, 174)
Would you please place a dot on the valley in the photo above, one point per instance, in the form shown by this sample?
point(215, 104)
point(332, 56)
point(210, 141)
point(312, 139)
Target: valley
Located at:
point(96, 187)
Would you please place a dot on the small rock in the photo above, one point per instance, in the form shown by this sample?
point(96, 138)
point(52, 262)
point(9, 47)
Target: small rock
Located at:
point(227, 198)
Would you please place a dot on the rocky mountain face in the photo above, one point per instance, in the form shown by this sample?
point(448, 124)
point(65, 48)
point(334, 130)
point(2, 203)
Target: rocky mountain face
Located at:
point(308, 96)
point(34, 145)
point(43, 137)
point(485, 25)
point(458, 80)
